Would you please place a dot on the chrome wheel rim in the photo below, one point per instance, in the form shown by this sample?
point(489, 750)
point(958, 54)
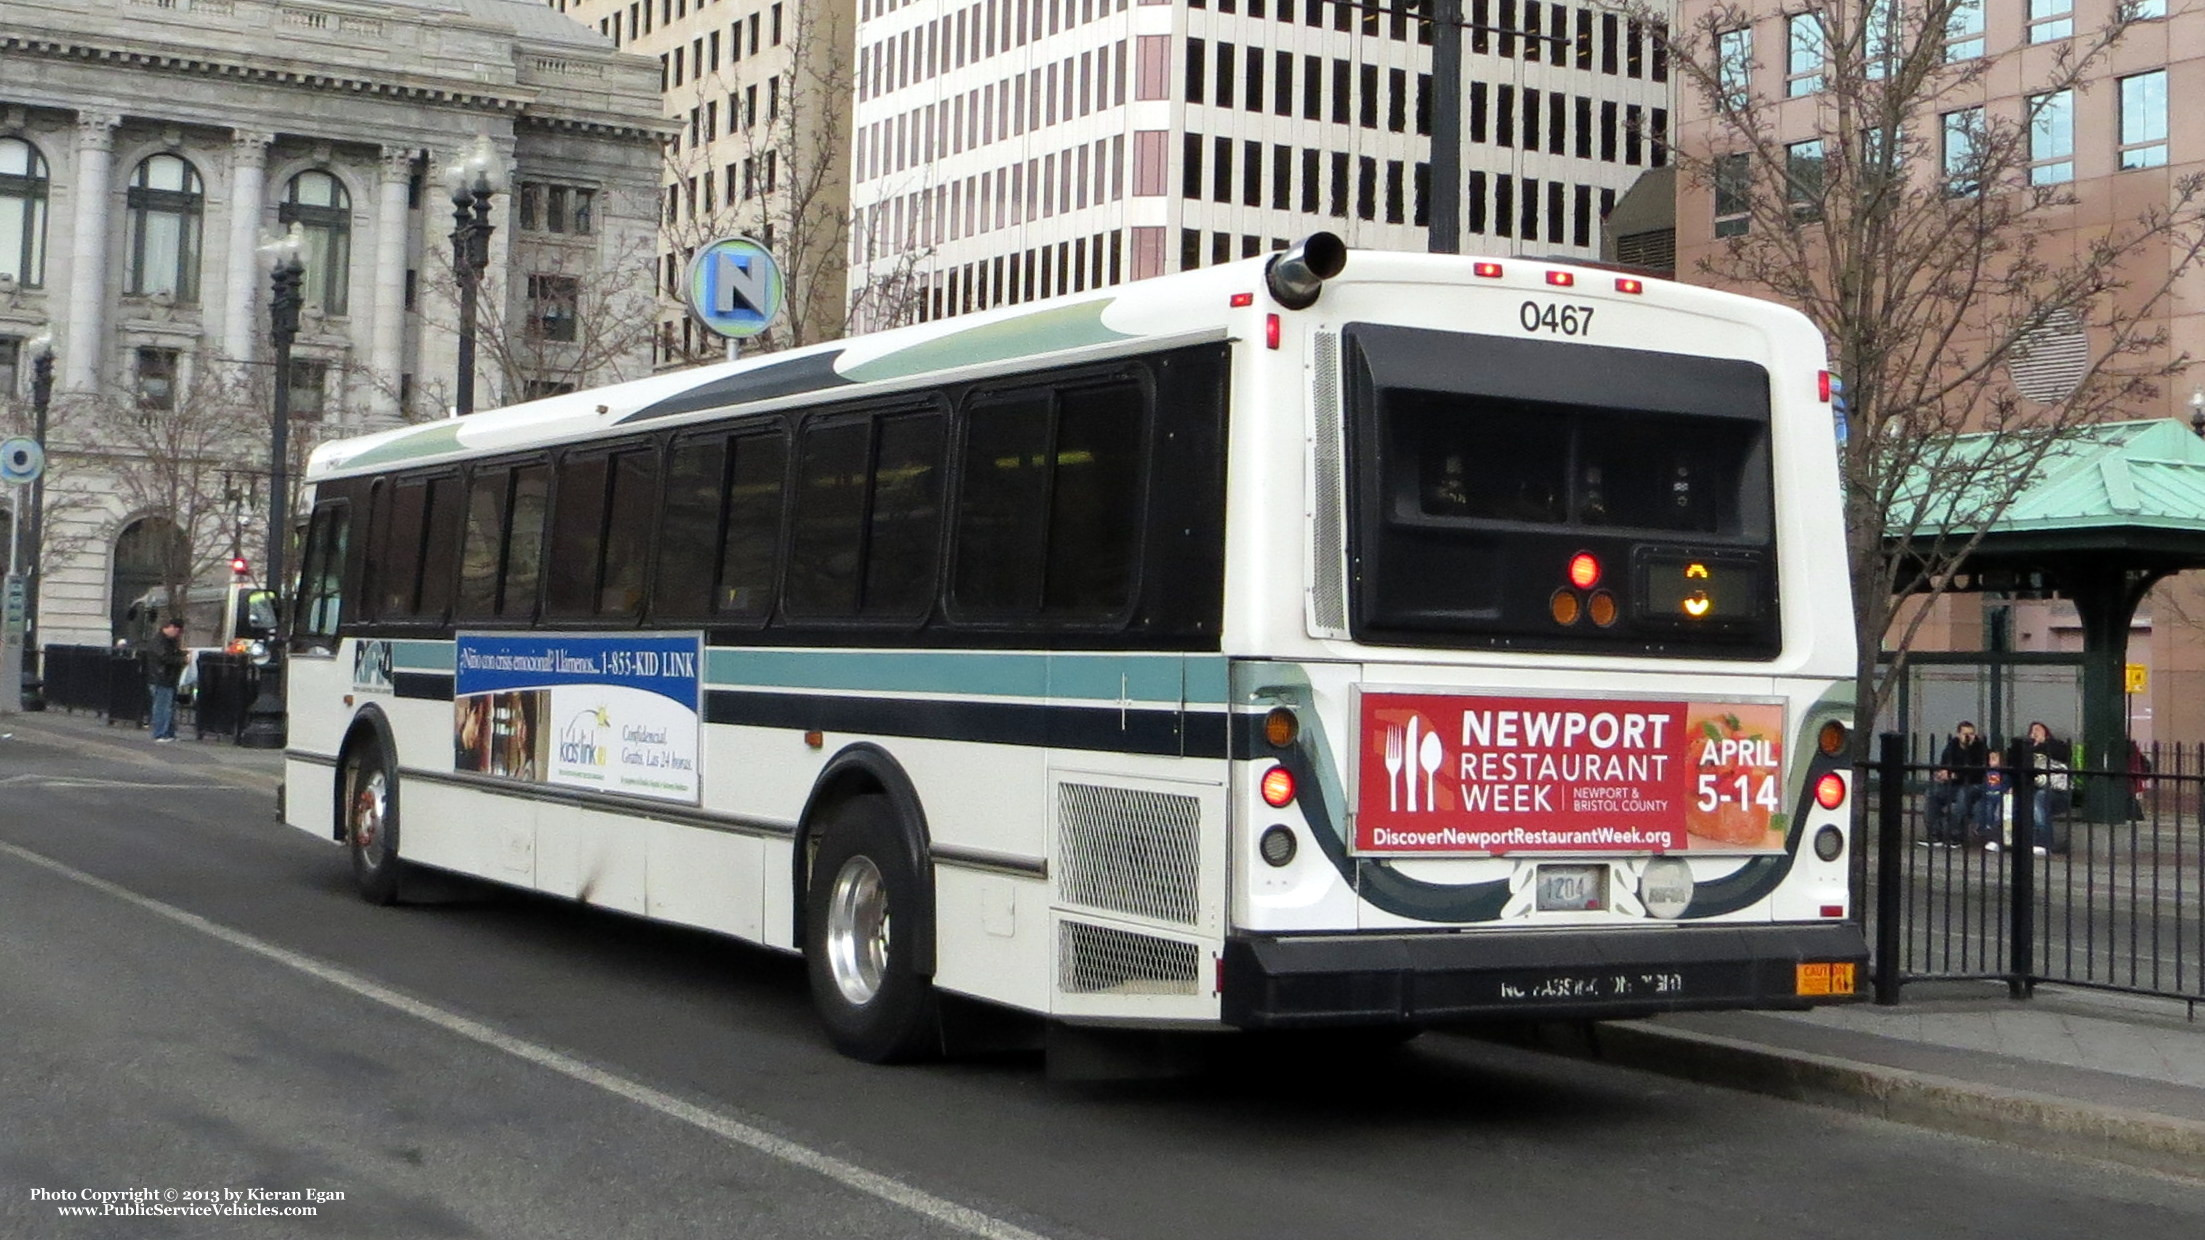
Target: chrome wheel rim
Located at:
point(370, 801)
point(857, 931)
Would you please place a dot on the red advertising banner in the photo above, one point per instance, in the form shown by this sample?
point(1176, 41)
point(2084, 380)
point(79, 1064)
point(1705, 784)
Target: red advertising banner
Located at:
point(1444, 773)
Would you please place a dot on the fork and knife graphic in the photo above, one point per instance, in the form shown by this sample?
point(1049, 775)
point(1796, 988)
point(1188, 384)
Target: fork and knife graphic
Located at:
point(1405, 753)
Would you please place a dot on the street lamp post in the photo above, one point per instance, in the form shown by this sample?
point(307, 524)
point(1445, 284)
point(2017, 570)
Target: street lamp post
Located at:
point(264, 719)
point(471, 179)
point(42, 400)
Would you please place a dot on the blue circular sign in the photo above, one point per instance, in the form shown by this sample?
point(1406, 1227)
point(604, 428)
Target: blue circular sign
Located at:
point(21, 461)
point(734, 287)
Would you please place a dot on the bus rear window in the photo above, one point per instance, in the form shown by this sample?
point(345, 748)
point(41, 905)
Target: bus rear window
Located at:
point(1486, 465)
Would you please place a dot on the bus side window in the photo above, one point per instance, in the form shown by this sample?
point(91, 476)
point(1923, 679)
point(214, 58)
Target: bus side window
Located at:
point(577, 537)
point(524, 545)
point(482, 545)
point(440, 550)
point(755, 491)
point(689, 536)
point(321, 581)
point(398, 558)
point(628, 534)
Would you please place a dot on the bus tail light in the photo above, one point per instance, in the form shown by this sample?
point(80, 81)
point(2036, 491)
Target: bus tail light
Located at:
point(1584, 570)
point(1822, 385)
point(1829, 843)
point(1296, 276)
point(1602, 608)
point(1830, 790)
point(1278, 787)
point(1270, 331)
point(1278, 846)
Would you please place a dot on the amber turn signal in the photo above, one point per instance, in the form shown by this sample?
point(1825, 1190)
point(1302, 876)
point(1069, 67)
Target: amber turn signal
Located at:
point(1564, 607)
point(1280, 727)
point(1602, 608)
point(1832, 738)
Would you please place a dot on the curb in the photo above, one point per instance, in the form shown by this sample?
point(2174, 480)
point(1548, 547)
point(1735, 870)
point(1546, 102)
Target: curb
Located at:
point(2158, 1143)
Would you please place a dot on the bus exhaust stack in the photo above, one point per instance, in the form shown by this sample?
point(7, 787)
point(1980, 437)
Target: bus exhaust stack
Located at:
point(1298, 275)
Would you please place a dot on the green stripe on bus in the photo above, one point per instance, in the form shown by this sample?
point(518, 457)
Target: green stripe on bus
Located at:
point(1044, 331)
point(434, 440)
point(1092, 677)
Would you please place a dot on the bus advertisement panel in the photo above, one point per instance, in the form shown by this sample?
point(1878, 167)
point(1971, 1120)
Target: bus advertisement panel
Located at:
point(610, 713)
point(1472, 774)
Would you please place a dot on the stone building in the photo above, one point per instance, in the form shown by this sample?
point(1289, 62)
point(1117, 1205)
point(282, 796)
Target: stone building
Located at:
point(148, 147)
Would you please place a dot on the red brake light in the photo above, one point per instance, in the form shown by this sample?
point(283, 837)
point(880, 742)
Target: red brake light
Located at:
point(1487, 271)
point(1271, 331)
point(1561, 279)
point(1584, 570)
point(1278, 787)
point(1830, 790)
point(1822, 385)
point(1244, 299)
point(1625, 284)
point(239, 566)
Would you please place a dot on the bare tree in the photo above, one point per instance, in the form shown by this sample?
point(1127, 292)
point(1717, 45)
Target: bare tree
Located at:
point(1975, 319)
point(788, 187)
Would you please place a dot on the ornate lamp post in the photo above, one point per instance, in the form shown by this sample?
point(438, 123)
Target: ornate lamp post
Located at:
point(472, 178)
point(264, 719)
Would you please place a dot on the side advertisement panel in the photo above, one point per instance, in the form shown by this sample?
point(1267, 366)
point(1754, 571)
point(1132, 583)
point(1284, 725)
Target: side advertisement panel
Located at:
point(1452, 774)
point(614, 714)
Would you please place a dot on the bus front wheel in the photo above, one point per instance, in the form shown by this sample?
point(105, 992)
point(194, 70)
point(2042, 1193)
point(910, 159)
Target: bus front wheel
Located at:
point(860, 902)
point(371, 824)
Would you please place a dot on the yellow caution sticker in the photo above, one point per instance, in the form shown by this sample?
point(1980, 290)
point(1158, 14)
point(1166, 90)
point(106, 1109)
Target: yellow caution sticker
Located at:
point(1821, 978)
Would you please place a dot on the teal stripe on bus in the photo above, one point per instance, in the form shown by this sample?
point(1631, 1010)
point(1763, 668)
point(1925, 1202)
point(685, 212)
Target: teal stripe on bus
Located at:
point(984, 673)
point(421, 656)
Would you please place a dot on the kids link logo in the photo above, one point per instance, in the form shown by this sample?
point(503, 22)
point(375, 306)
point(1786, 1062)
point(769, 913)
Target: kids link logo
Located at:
point(582, 741)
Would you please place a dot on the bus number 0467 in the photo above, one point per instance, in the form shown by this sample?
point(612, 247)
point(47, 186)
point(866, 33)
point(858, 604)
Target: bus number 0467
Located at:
point(1561, 320)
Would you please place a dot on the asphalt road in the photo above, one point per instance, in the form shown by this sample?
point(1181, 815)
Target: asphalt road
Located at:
point(191, 998)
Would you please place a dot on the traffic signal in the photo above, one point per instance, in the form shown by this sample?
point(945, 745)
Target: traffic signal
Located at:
point(239, 566)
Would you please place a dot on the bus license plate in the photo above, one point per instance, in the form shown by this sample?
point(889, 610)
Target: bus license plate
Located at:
point(1573, 888)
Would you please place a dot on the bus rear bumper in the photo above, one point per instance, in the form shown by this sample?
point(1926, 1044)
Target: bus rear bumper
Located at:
point(1312, 981)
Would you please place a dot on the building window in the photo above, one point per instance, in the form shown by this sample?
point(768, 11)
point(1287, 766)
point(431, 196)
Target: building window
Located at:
point(1734, 66)
point(1803, 178)
point(543, 207)
point(11, 366)
point(1733, 179)
point(318, 204)
point(157, 378)
point(2144, 120)
point(1964, 31)
point(309, 389)
point(1883, 41)
point(1962, 129)
point(23, 188)
point(2052, 138)
point(1804, 54)
point(552, 304)
point(2050, 20)
point(166, 204)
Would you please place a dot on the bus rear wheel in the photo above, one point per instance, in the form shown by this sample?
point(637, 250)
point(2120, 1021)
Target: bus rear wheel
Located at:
point(865, 982)
point(371, 824)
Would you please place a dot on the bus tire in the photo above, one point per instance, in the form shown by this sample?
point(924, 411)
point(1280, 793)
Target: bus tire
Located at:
point(865, 983)
point(371, 823)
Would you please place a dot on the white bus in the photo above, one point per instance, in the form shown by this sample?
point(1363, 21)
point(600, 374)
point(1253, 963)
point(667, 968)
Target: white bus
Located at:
point(1326, 641)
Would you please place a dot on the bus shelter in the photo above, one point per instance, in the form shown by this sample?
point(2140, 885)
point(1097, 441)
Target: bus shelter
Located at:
point(2115, 508)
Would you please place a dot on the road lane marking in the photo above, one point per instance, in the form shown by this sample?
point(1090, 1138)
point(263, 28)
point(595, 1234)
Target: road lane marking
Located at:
point(841, 1171)
point(67, 781)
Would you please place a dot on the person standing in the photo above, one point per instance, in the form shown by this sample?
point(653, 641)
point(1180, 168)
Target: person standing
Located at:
point(164, 668)
point(1956, 784)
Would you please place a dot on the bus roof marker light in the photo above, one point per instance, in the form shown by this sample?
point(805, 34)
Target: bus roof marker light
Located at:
point(1296, 275)
point(1561, 279)
point(1243, 299)
point(1486, 271)
point(1625, 284)
point(1584, 570)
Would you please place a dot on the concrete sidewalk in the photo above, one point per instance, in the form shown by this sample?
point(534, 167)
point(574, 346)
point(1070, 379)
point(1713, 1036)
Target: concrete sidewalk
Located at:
point(2114, 1077)
point(131, 743)
point(2088, 1074)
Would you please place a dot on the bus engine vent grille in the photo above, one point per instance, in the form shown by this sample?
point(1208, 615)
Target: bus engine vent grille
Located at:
point(1103, 960)
point(1131, 851)
point(1328, 541)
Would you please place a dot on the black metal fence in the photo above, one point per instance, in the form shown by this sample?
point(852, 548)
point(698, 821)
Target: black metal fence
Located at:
point(2012, 881)
point(112, 684)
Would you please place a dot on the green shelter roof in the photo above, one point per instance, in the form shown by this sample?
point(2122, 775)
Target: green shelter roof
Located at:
point(2144, 477)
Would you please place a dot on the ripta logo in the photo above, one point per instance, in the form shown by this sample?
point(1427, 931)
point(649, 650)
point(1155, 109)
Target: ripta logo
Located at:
point(581, 742)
